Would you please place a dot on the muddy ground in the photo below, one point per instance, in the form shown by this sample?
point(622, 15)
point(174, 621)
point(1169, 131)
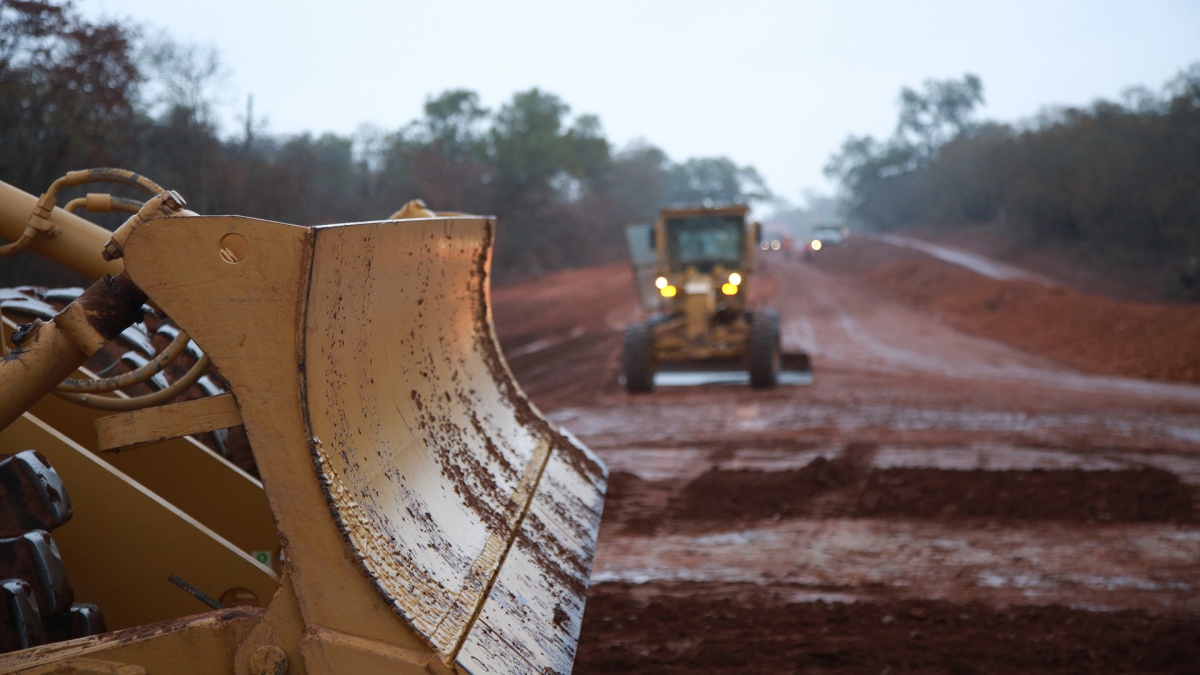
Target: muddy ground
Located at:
point(951, 494)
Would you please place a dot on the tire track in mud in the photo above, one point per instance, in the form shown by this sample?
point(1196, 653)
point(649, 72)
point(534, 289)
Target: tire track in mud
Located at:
point(854, 327)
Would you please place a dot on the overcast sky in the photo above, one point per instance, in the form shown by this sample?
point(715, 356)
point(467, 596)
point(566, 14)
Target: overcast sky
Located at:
point(774, 84)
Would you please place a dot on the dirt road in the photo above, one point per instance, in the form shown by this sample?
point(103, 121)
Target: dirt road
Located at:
point(933, 502)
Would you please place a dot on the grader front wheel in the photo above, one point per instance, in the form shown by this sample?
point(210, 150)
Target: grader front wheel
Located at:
point(637, 360)
point(762, 352)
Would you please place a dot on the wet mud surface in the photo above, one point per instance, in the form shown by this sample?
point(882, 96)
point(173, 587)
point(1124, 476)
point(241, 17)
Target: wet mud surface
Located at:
point(937, 501)
point(696, 628)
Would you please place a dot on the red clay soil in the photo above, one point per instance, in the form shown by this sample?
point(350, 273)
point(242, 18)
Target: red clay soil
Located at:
point(561, 332)
point(1088, 332)
point(935, 502)
point(831, 488)
point(697, 629)
point(1138, 495)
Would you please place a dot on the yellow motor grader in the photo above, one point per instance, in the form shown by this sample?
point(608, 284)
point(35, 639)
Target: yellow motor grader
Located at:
point(693, 268)
point(415, 513)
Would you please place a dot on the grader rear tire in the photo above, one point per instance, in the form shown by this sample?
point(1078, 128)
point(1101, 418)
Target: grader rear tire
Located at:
point(762, 350)
point(637, 360)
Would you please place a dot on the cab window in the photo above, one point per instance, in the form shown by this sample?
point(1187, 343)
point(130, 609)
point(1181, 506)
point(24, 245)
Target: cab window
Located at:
point(705, 241)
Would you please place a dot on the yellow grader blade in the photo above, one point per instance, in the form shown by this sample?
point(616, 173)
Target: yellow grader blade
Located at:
point(431, 520)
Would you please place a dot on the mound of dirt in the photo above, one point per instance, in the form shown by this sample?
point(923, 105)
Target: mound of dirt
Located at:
point(840, 487)
point(633, 504)
point(684, 629)
point(721, 495)
point(1088, 332)
point(1145, 494)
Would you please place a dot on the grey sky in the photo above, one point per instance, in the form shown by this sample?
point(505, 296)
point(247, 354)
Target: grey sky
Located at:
point(774, 84)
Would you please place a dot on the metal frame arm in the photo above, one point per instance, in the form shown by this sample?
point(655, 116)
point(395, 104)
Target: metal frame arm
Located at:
point(48, 352)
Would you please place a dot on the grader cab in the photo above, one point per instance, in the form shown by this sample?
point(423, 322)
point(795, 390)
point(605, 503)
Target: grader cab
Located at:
point(415, 514)
point(694, 270)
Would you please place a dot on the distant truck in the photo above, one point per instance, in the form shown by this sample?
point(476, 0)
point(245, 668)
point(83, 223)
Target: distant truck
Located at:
point(827, 235)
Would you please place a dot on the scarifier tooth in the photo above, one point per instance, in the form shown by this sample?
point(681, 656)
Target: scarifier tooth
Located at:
point(34, 497)
point(34, 558)
point(20, 621)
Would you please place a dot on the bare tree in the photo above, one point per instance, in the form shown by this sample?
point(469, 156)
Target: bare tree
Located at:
point(183, 77)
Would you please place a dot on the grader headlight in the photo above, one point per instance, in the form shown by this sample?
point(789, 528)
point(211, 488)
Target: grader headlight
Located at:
point(660, 283)
point(735, 279)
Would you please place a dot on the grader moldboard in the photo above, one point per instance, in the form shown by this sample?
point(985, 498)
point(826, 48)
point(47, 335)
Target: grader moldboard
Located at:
point(416, 514)
point(693, 268)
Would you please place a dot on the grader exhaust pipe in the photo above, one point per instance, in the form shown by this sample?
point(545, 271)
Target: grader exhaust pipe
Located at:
point(430, 519)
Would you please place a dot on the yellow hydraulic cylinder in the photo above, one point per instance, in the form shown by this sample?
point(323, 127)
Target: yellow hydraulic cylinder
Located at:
point(76, 243)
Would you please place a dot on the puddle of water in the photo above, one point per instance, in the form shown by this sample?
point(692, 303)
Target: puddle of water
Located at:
point(667, 420)
point(685, 464)
point(787, 378)
point(1113, 566)
point(657, 463)
point(544, 343)
point(1088, 581)
point(802, 597)
point(972, 261)
point(992, 458)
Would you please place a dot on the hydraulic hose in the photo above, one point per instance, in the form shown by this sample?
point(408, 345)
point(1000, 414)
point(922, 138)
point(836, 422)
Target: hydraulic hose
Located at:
point(37, 225)
point(103, 203)
point(136, 376)
point(157, 398)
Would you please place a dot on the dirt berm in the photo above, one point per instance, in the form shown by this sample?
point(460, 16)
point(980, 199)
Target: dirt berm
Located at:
point(1088, 332)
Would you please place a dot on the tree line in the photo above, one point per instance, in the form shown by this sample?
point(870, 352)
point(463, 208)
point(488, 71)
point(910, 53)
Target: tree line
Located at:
point(1116, 184)
point(76, 93)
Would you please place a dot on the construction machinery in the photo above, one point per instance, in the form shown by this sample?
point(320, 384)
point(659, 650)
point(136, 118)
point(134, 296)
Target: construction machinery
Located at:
point(693, 268)
point(415, 513)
